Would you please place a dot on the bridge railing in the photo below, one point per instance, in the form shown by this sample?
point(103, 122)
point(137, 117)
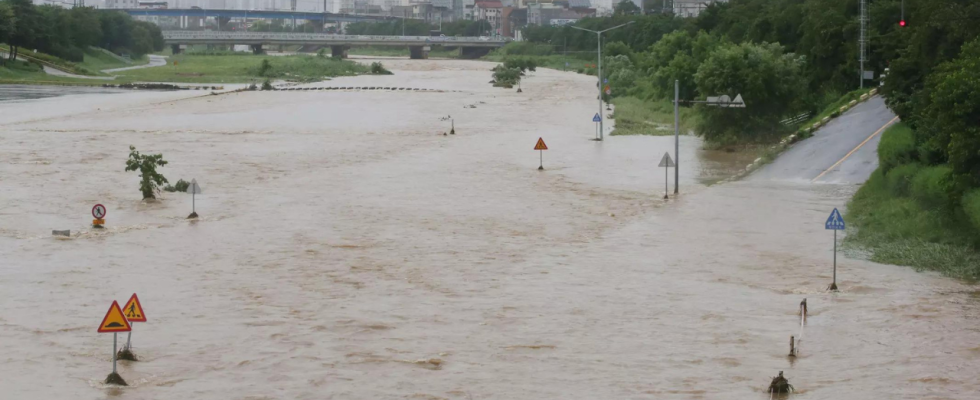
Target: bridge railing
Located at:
point(293, 36)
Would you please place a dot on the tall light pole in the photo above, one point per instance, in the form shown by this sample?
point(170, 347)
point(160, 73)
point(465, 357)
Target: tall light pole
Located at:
point(716, 101)
point(598, 35)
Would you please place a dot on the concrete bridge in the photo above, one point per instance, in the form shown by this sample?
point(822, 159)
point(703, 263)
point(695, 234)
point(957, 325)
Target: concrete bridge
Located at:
point(252, 14)
point(419, 46)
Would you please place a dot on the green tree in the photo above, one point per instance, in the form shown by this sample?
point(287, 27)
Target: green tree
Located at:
point(770, 82)
point(7, 24)
point(626, 7)
point(146, 164)
point(26, 22)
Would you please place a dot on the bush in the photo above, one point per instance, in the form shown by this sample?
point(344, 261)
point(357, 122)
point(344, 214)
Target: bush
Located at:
point(526, 49)
point(971, 205)
point(506, 77)
point(379, 69)
point(180, 186)
point(265, 86)
point(147, 165)
point(929, 186)
point(899, 179)
point(897, 147)
point(265, 68)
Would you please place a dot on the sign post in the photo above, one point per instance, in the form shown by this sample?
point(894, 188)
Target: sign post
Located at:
point(835, 222)
point(194, 189)
point(541, 147)
point(114, 322)
point(666, 163)
point(597, 119)
point(133, 311)
point(98, 212)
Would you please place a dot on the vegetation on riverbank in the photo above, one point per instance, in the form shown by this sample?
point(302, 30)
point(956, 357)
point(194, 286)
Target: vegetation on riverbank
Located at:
point(902, 215)
point(635, 116)
point(244, 69)
point(401, 51)
point(24, 73)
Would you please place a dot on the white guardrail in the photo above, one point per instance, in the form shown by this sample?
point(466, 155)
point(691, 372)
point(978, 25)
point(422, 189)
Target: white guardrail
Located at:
point(292, 36)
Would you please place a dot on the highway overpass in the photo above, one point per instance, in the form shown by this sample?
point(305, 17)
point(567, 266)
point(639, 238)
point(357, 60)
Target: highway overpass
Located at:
point(419, 45)
point(253, 14)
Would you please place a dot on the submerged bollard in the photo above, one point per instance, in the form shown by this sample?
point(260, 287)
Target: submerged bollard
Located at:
point(803, 312)
point(792, 346)
point(780, 384)
point(66, 233)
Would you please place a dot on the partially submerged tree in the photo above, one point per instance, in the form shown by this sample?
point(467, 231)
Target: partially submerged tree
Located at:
point(146, 164)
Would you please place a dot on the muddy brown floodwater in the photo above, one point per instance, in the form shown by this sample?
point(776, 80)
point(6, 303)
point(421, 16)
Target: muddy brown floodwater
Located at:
point(348, 250)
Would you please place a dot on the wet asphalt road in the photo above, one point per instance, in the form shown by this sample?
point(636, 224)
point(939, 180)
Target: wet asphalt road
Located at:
point(844, 151)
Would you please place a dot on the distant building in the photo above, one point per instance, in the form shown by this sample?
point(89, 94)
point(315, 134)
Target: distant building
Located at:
point(121, 3)
point(490, 11)
point(154, 5)
point(692, 8)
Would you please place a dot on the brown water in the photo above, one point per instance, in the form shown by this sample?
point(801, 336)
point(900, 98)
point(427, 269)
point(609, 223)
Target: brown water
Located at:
point(348, 250)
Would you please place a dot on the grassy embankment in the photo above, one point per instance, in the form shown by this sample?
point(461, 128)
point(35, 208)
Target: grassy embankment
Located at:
point(24, 73)
point(97, 60)
point(903, 216)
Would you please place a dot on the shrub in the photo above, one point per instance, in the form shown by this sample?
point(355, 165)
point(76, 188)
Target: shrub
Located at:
point(929, 186)
point(147, 166)
point(265, 68)
point(180, 186)
point(265, 86)
point(899, 179)
point(506, 77)
point(379, 69)
point(971, 205)
point(897, 147)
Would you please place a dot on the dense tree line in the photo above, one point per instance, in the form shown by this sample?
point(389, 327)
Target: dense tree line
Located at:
point(66, 33)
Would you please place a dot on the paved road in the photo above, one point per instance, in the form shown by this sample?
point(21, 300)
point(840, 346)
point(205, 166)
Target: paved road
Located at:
point(844, 151)
point(155, 61)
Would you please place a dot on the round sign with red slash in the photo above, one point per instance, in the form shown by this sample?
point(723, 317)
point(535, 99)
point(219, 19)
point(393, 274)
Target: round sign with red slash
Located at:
point(98, 212)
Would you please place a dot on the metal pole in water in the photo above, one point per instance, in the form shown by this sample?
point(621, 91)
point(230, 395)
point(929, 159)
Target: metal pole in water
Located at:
point(541, 165)
point(835, 260)
point(129, 339)
point(599, 56)
point(666, 182)
point(114, 352)
point(677, 130)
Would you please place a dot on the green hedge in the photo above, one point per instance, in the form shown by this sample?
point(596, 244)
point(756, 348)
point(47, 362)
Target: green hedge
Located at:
point(897, 147)
point(971, 205)
point(899, 179)
point(929, 186)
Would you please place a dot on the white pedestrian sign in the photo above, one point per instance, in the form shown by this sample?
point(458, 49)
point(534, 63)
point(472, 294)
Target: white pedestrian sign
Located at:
point(596, 118)
point(835, 221)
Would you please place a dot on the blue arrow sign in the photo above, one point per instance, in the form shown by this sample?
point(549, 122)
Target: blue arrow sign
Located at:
point(835, 221)
point(596, 118)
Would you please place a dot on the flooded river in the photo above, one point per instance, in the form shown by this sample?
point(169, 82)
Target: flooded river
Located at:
point(347, 249)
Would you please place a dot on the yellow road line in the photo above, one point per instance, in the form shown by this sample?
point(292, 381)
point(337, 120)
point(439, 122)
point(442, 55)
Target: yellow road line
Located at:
point(855, 149)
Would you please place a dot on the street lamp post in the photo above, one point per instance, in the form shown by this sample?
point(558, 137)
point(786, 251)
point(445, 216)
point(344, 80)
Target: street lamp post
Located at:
point(598, 35)
point(716, 101)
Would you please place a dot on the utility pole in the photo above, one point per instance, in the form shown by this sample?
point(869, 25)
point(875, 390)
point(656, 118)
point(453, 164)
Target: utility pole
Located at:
point(599, 56)
point(677, 133)
point(864, 39)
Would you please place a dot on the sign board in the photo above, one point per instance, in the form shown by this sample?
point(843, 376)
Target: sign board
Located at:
point(835, 221)
point(608, 91)
point(134, 310)
point(541, 145)
point(666, 161)
point(98, 212)
point(114, 321)
point(869, 74)
point(193, 187)
point(98, 221)
point(596, 118)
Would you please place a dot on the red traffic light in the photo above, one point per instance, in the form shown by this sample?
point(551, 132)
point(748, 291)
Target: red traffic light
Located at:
point(901, 23)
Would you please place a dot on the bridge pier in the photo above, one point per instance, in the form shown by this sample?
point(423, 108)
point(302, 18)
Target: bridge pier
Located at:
point(418, 52)
point(339, 51)
point(471, 53)
point(256, 49)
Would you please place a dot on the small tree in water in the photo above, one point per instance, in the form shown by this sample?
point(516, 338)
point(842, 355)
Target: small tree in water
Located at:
point(147, 165)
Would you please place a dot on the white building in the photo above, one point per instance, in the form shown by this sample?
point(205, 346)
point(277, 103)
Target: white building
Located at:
point(691, 8)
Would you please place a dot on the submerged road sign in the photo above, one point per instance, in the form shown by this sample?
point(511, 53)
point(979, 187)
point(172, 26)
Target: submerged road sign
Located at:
point(541, 145)
point(98, 212)
point(114, 320)
point(134, 310)
point(596, 118)
point(666, 163)
point(835, 221)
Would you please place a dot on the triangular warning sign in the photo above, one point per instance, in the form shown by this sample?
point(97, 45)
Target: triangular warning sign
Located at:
point(666, 161)
point(134, 310)
point(114, 320)
point(541, 145)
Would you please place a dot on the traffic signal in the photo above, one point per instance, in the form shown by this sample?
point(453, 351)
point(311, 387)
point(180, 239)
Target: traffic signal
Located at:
point(901, 23)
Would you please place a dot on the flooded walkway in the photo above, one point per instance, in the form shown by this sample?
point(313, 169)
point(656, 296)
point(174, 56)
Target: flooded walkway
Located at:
point(348, 249)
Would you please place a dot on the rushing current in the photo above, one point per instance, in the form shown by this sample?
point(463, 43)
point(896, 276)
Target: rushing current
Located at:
point(348, 249)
